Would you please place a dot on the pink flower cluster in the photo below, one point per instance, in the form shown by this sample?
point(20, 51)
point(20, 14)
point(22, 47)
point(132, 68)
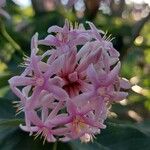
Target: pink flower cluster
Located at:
point(65, 91)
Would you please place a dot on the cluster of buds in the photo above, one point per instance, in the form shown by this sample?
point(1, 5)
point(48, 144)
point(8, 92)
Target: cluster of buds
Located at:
point(65, 92)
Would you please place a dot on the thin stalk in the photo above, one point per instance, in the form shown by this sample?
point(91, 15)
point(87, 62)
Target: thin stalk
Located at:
point(55, 146)
point(10, 39)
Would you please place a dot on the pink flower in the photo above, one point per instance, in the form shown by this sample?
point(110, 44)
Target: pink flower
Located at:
point(66, 38)
point(65, 91)
point(81, 121)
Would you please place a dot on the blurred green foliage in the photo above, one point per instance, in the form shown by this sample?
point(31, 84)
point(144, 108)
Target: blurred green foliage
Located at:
point(135, 56)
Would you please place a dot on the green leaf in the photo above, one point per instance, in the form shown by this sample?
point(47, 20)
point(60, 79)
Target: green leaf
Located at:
point(77, 145)
point(4, 79)
point(6, 109)
point(124, 137)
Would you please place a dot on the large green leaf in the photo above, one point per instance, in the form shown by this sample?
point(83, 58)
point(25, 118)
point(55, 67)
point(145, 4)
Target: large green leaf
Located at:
point(7, 110)
point(125, 137)
point(114, 137)
point(77, 145)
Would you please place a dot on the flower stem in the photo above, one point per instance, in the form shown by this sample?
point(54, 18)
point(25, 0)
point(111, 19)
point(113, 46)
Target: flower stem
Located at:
point(55, 146)
point(10, 39)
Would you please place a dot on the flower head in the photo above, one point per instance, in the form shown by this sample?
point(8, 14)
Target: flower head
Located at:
point(64, 93)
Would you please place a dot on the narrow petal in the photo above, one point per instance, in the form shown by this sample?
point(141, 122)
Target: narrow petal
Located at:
point(85, 49)
point(18, 93)
point(20, 81)
point(125, 84)
point(55, 67)
point(71, 108)
point(86, 109)
point(113, 61)
point(57, 81)
point(26, 90)
point(112, 51)
point(95, 31)
point(55, 29)
point(35, 61)
point(34, 43)
point(26, 71)
point(59, 120)
point(118, 96)
point(27, 129)
point(92, 74)
point(60, 131)
point(113, 74)
point(51, 138)
point(55, 110)
point(82, 99)
point(32, 102)
point(70, 62)
point(43, 66)
point(32, 115)
point(58, 92)
point(49, 41)
point(106, 60)
point(80, 40)
point(94, 123)
point(85, 87)
point(99, 107)
point(66, 26)
point(44, 113)
point(92, 58)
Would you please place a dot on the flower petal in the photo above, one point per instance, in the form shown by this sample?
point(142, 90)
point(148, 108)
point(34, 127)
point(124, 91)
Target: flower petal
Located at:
point(20, 81)
point(113, 74)
point(33, 117)
point(118, 96)
point(34, 43)
point(54, 29)
point(92, 75)
point(58, 92)
point(59, 120)
point(49, 41)
point(125, 84)
point(27, 129)
point(93, 57)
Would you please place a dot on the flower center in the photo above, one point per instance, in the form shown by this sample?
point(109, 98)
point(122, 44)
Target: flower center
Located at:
point(72, 86)
point(39, 81)
point(63, 37)
point(43, 131)
point(102, 91)
point(78, 124)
